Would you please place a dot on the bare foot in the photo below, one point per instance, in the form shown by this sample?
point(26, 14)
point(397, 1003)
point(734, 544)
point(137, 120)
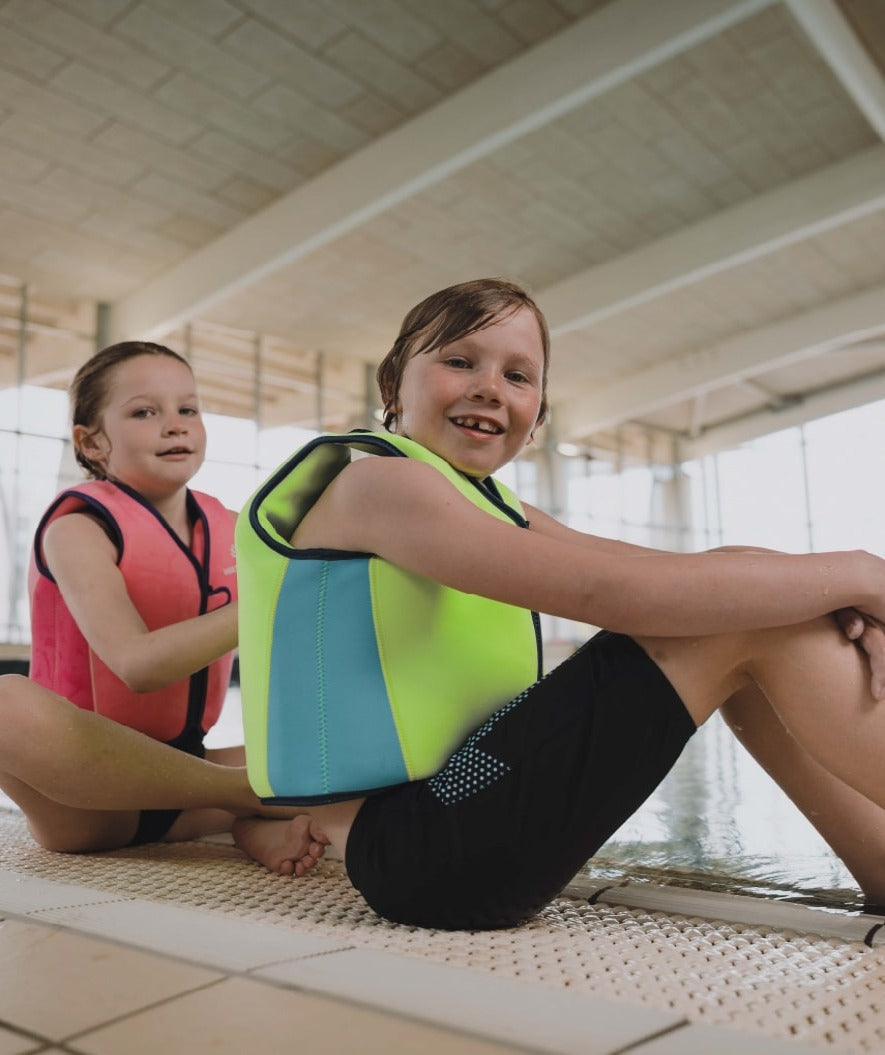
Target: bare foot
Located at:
point(287, 847)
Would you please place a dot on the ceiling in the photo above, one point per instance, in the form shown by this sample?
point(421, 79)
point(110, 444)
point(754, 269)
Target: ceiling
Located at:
point(694, 191)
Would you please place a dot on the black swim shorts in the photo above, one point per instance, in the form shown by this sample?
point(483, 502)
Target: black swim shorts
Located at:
point(527, 799)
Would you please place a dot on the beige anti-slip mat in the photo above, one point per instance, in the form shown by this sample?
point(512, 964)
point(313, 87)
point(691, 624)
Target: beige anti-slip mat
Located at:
point(778, 983)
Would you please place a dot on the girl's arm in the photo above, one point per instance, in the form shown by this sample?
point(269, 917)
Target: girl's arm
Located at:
point(82, 560)
point(409, 514)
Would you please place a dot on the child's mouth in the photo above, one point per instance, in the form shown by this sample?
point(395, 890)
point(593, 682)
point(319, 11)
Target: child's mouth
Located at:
point(489, 428)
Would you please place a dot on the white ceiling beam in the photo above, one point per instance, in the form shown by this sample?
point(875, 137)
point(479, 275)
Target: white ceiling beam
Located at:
point(838, 194)
point(838, 323)
point(832, 35)
point(833, 400)
point(601, 51)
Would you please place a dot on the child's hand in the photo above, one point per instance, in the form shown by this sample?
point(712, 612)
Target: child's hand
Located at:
point(869, 635)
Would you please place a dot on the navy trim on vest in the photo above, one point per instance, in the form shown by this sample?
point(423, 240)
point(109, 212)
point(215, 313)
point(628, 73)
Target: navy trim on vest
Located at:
point(95, 506)
point(372, 439)
point(368, 438)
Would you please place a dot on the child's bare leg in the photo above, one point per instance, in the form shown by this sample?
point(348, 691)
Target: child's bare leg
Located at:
point(227, 756)
point(80, 779)
point(196, 823)
point(68, 829)
point(288, 847)
point(818, 686)
point(852, 825)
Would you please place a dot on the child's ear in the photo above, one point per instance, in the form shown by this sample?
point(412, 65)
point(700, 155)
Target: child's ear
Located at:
point(91, 443)
point(391, 414)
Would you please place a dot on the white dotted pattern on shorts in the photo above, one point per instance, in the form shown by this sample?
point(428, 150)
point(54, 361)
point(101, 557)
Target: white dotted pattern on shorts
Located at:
point(470, 769)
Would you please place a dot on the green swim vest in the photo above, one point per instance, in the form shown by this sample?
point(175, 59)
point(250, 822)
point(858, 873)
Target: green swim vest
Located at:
point(355, 674)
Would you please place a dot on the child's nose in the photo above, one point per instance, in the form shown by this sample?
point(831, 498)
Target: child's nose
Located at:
point(485, 388)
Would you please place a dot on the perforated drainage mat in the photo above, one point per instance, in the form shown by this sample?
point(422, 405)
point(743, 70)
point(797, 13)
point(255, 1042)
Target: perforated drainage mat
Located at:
point(779, 970)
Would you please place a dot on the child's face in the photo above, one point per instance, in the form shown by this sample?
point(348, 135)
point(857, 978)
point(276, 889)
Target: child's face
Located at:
point(475, 402)
point(152, 436)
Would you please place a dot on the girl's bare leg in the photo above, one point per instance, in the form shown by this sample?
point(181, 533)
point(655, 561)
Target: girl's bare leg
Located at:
point(68, 829)
point(801, 698)
point(81, 779)
point(195, 823)
point(850, 823)
point(285, 846)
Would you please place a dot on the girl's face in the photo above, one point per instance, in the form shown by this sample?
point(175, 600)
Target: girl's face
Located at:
point(475, 401)
point(151, 435)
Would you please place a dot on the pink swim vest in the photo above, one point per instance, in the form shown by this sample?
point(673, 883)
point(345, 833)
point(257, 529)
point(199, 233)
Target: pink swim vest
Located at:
point(167, 583)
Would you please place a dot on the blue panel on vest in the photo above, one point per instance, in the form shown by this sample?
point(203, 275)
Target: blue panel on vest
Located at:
point(329, 723)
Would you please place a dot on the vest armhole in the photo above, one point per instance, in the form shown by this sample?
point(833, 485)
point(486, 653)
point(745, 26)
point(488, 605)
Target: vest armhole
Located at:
point(79, 503)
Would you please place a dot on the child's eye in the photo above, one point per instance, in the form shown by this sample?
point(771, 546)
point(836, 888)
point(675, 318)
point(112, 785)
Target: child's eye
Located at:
point(517, 375)
point(190, 411)
point(459, 362)
point(142, 412)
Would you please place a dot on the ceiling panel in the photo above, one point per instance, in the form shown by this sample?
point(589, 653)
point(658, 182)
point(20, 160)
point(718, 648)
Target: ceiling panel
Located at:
point(715, 175)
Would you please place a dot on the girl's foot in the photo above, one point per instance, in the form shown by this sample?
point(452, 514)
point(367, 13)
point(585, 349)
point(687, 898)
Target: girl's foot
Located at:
point(286, 847)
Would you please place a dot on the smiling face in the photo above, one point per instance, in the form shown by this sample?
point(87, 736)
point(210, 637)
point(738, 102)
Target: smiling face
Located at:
point(151, 435)
point(475, 401)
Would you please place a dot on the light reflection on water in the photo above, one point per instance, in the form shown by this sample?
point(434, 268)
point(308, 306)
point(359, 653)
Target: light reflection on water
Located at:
point(720, 823)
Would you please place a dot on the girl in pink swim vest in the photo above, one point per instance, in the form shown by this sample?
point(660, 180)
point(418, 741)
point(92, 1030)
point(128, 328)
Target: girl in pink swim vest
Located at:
point(134, 614)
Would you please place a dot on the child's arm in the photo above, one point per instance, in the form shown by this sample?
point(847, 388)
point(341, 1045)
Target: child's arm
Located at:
point(553, 528)
point(549, 526)
point(409, 514)
point(867, 632)
point(82, 560)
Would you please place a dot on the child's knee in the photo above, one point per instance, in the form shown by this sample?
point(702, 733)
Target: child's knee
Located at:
point(15, 690)
point(12, 685)
point(28, 711)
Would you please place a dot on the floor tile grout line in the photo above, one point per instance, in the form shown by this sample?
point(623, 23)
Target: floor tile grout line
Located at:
point(116, 1019)
point(133, 944)
point(20, 1031)
point(665, 1032)
point(275, 983)
point(250, 974)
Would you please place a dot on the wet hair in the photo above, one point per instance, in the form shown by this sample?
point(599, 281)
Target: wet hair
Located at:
point(447, 316)
point(89, 389)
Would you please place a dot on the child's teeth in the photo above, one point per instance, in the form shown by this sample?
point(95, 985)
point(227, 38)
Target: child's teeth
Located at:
point(472, 423)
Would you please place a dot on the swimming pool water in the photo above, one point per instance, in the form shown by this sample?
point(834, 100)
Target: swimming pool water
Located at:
point(719, 822)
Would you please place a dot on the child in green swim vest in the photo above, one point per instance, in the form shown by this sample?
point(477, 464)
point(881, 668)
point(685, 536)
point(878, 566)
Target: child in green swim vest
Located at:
point(544, 778)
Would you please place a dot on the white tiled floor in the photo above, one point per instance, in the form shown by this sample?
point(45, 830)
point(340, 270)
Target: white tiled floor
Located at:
point(85, 971)
point(82, 971)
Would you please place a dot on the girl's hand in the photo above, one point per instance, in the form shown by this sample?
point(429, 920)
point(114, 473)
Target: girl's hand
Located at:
point(869, 635)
